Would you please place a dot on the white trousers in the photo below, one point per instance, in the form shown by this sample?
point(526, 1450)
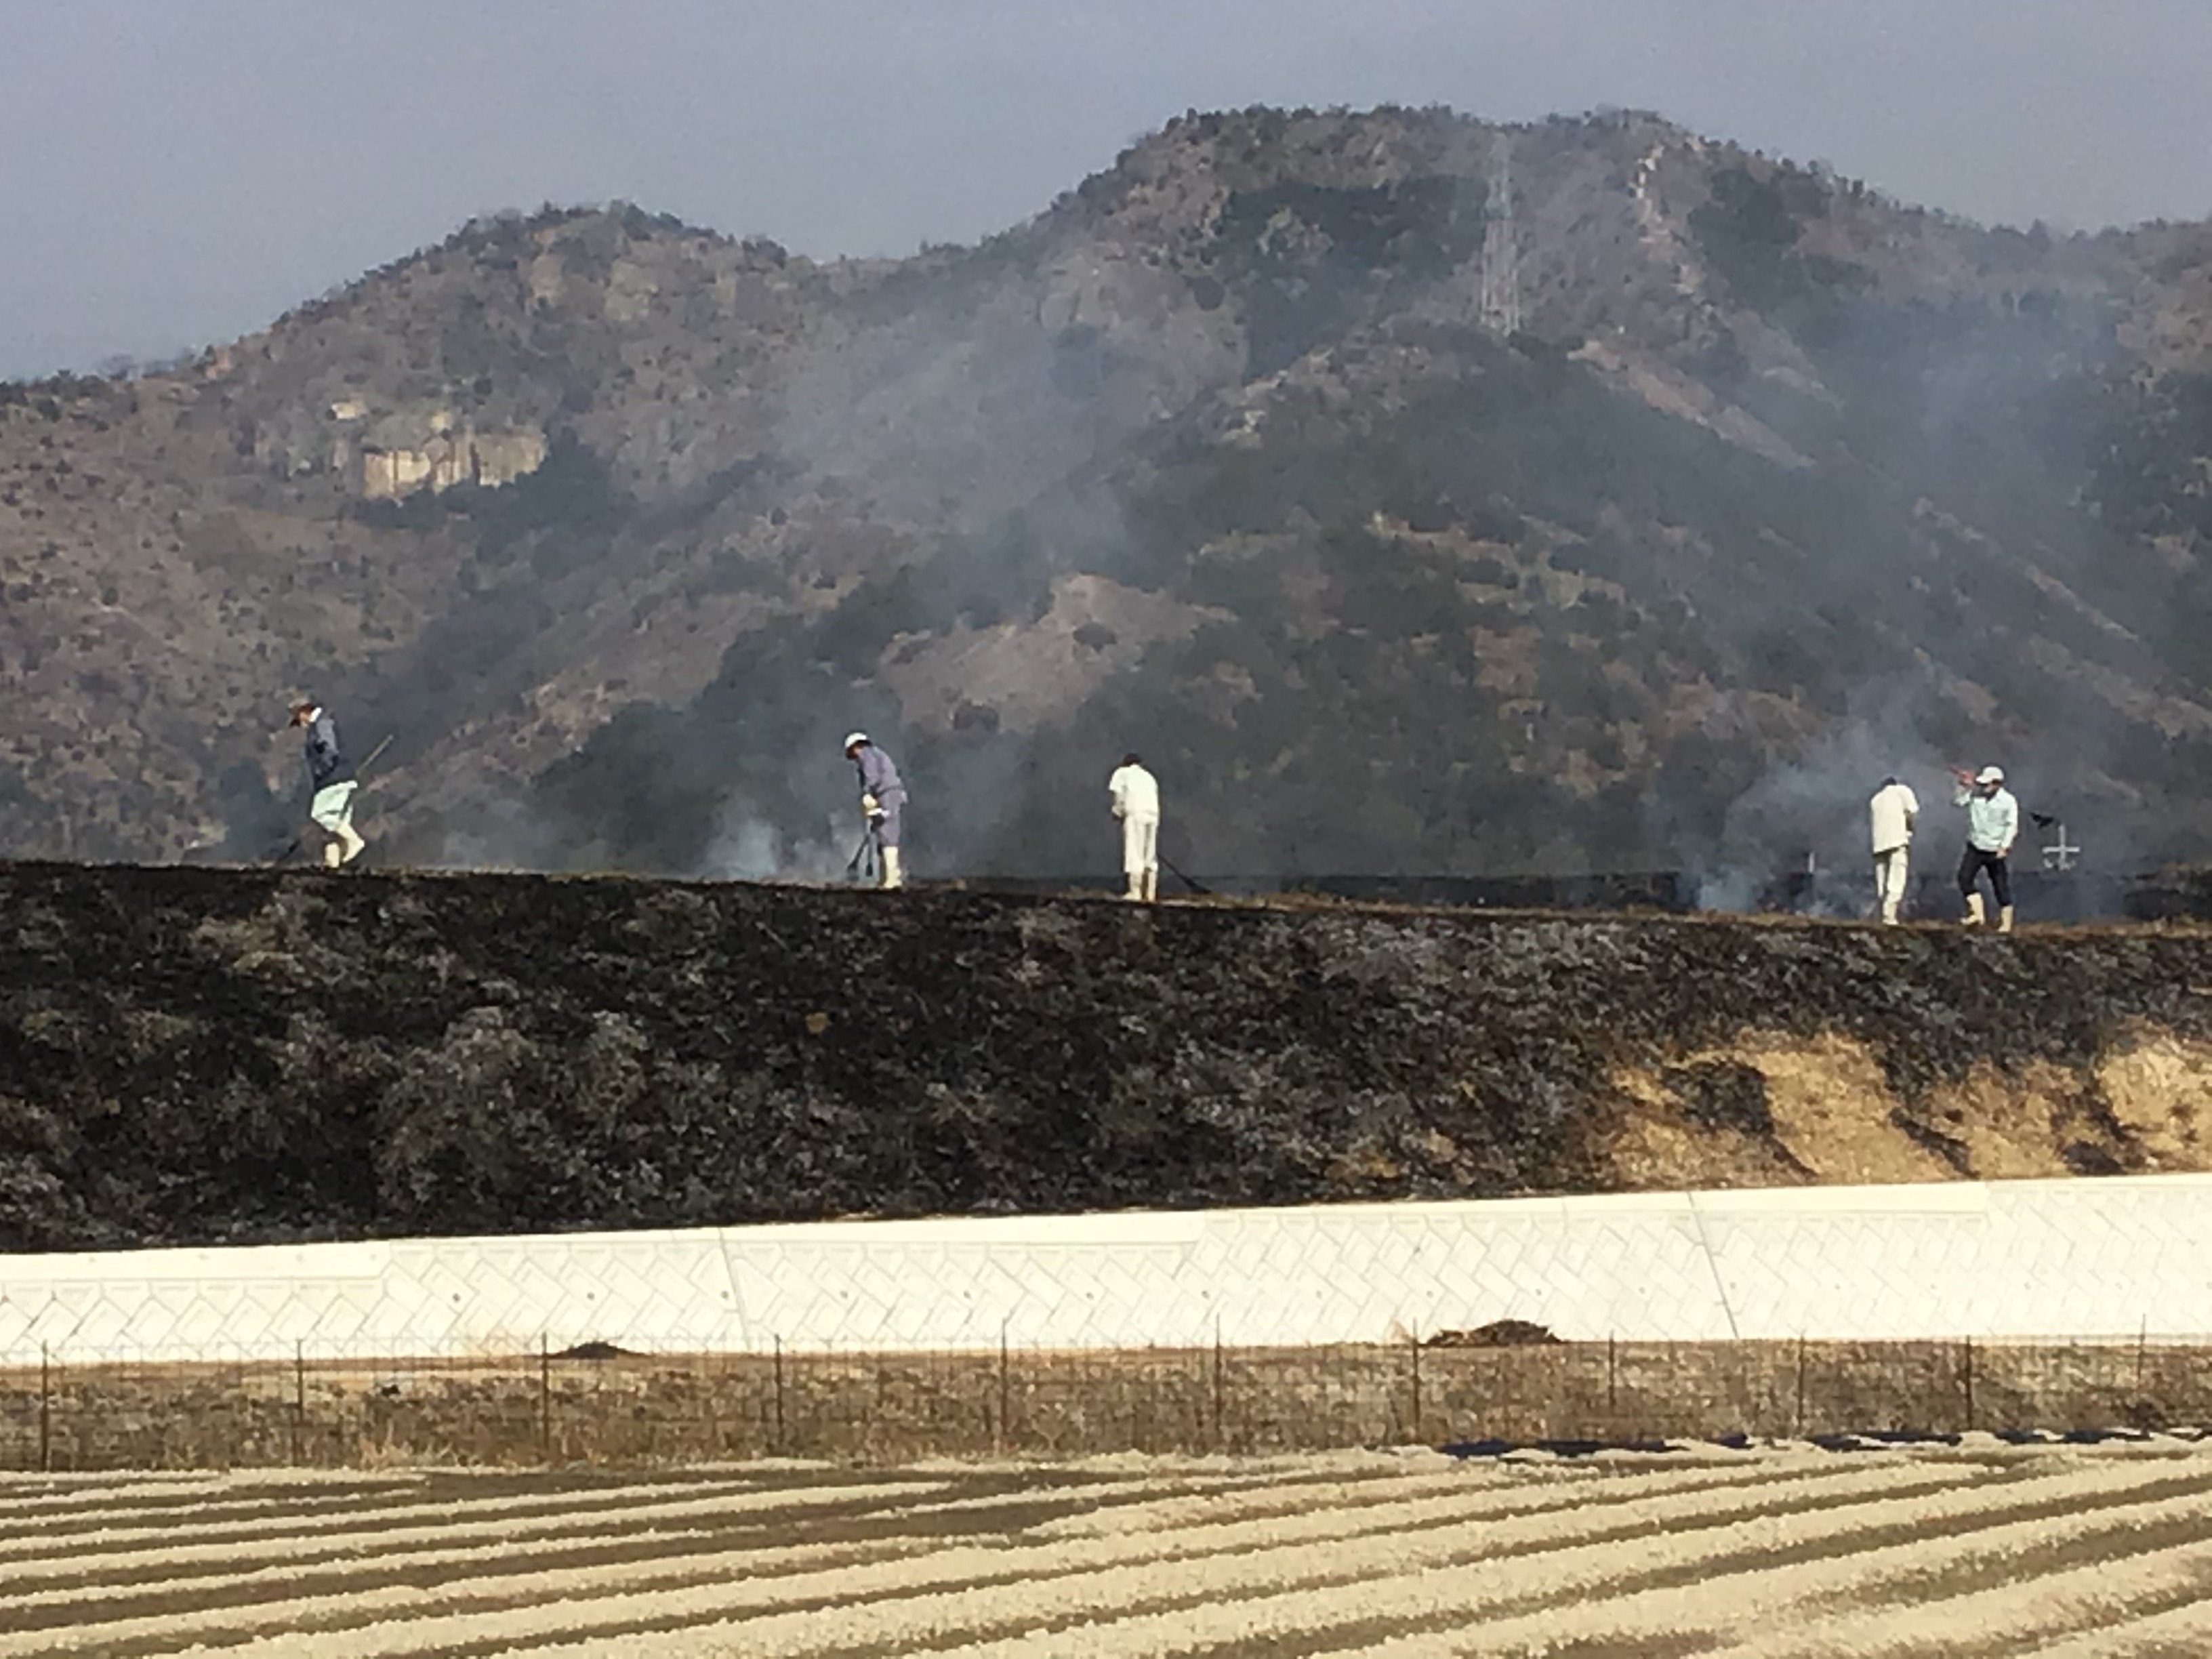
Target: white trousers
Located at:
point(1890, 870)
point(1140, 846)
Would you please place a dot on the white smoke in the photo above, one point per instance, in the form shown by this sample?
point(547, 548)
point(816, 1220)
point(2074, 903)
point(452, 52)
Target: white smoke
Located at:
point(746, 847)
point(1809, 814)
point(1731, 889)
point(505, 835)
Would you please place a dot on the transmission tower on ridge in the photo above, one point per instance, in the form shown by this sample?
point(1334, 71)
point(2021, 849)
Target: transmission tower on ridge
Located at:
point(1500, 300)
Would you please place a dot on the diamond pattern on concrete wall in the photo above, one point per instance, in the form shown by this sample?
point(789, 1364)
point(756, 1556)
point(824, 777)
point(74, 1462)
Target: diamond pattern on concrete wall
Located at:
point(2104, 1258)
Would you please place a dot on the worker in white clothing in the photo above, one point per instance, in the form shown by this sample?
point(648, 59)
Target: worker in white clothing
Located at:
point(1136, 795)
point(1992, 824)
point(1891, 814)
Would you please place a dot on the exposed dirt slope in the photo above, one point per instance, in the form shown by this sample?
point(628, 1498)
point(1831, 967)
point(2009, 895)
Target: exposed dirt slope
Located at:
point(196, 1055)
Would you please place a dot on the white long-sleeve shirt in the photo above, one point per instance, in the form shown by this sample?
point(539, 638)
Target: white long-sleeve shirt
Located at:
point(1136, 793)
point(1890, 815)
point(1992, 820)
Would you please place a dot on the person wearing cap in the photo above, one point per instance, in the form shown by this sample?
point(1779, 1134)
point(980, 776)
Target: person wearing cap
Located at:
point(1136, 796)
point(1891, 814)
point(331, 775)
point(882, 800)
point(1992, 824)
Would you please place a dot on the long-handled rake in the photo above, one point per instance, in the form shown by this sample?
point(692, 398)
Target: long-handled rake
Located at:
point(1194, 887)
point(868, 861)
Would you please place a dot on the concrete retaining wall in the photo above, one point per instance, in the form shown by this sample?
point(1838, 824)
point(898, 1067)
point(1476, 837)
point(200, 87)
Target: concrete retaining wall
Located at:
point(2112, 1259)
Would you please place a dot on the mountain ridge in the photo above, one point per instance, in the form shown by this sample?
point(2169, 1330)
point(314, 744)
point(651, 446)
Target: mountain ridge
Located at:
point(1226, 455)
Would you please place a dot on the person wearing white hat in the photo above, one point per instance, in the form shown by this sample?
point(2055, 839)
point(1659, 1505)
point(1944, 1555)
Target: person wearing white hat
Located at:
point(1992, 825)
point(882, 800)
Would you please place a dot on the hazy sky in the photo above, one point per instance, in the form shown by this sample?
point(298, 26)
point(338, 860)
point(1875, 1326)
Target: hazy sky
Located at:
point(177, 171)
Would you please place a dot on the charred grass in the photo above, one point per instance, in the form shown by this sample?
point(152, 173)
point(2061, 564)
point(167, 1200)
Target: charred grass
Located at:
point(229, 1056)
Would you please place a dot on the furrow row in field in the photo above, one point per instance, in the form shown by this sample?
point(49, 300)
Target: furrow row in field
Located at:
point(184, 1595)
point(1979, 1551)
point(23, 1492)
point(2129, 1571)
point(1278, 1588)
point(1746, 1596)
point(489, 1583)
point(23, 1495)
point(2182, 1632)
point(137, 1584)
point(428, 1581)
point(982, 1489)
point(1012, 1500)
point(1170, 1510)
point(761, 1509)
point(31, 1521)
point(19, 1500)
point(276, 1521)
point(1498, 1488)
point(49, 1482)
point(703, 1551)
point(118, 1585)
point(1091, 1573)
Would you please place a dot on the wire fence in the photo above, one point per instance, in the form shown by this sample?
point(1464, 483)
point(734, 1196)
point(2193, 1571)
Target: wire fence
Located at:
point(607, 1407)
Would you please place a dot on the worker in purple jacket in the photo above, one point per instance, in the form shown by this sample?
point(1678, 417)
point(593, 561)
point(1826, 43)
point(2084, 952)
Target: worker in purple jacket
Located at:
point(883, 799)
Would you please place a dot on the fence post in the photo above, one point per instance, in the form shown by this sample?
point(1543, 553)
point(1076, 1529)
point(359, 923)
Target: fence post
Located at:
point(779, 1396)
point(1218, 1442)
point(299, 1397)
point(1413, 1341)
point(46, 1408)
point(544, 1397)
point(1966, 1372)
point(1797, 1429)
point(1006, 1390)
point(1612, 1388)
point(2143, 1335)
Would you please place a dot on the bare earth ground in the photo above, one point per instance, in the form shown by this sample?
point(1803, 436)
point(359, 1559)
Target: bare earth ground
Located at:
point(1980, 1549)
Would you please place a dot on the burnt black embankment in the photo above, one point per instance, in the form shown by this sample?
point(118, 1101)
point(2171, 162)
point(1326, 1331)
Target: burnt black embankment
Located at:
point(202, 1055)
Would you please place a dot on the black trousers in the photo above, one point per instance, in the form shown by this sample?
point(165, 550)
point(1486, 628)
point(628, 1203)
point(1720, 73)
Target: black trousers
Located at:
point(1971, 865)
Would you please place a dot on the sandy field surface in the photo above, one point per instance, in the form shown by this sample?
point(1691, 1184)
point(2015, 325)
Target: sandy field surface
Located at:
point(1980, 1548)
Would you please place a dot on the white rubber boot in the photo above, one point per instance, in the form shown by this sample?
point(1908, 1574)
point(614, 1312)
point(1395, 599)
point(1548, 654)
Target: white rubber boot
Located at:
point(1889, 913)
point(1975, 915)
point(1151, 887)
point(354, 843)
point(333, 855)
point(2004, 919)
point(891, 877)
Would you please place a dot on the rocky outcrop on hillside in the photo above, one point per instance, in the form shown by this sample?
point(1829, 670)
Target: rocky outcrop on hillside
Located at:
point(1423, 495)
point(207, 1056)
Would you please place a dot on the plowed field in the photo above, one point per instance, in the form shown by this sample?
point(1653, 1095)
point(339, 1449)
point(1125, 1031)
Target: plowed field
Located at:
point(1980, 1549)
